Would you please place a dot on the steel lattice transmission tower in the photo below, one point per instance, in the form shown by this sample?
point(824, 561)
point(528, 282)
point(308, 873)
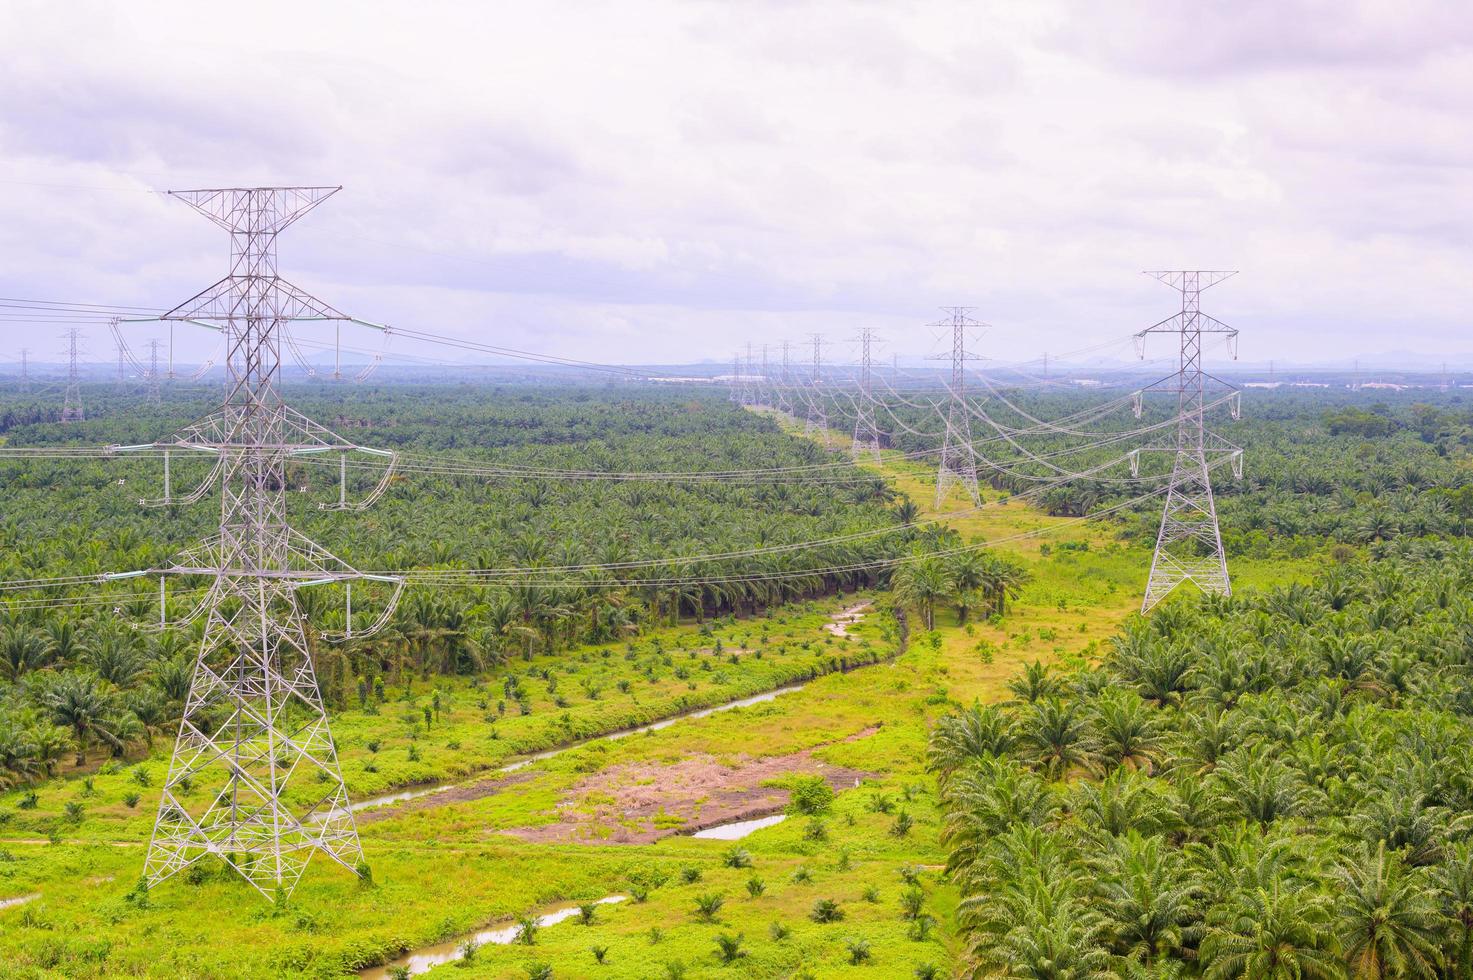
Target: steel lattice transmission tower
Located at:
point(71, 406)
point(254, 777)
point(1189, 543)
point(958, 465)
point(817, 419)
point(25, 369)
point(153, 371)
point(866, 433)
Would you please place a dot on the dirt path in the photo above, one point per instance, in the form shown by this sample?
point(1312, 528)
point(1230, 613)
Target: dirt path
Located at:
point(840, 623)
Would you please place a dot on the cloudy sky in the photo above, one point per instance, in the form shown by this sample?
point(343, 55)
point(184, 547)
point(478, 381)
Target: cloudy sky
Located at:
point(665, 181)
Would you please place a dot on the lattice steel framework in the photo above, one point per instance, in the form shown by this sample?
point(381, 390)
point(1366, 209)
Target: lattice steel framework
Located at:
point(25, 369)
point(866, 433)
point(785, 381)
point(1189, 543)
point(254, 777)
point(818, 415)
point(71, 405)
point(958, 466)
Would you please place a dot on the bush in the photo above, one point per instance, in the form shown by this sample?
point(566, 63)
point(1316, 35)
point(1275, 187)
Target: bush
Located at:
point(737, 857)
point(690, 875)
point(809, 795)
point(826, 910)
point(708, 906)
point(859, 951)
point(756, 886)
point(729, 948)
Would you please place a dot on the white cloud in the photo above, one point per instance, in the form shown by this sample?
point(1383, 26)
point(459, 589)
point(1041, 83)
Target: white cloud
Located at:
point(648, 181)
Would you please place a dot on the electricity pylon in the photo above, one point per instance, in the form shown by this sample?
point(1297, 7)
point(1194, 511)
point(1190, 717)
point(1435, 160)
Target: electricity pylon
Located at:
point(1189, 543)
point(71, 406)
point(153, 371)
point(818, 415)
point(958, 458)
point(866, 434)
point(254, 777)
point(25, 369)
point(785, 380)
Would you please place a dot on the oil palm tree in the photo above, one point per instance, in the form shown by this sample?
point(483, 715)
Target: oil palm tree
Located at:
point(86, 705)
point(1387, 918)
point(1276, 932)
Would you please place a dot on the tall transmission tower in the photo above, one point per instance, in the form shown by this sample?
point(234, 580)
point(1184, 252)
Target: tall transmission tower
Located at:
point(254, 777)
point(866, 434)
point(958, 465)
point(25, 369)
point(1189, 543)
point(122, 366)
point(71, 406)
point(818, 415)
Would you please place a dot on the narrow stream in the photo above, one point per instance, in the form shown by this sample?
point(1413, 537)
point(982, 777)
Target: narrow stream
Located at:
point(740, 828)
point(423, 960)
point(8, 903)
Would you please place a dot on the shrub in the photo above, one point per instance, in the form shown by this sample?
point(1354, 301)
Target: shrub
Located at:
point(859, 951)
point(729, 948)
point(690, 875)
point(872, 894)
point(600, 953)
point(903, 823)
point(778, 932)
point(708, 906)
point(816, 831)
point(912, 900)
point(737, 857)
point(756, 886)
point(539, 971)
point(810, 795)
point(826, 910)
point(802, 876)
point(587, 913)
point(920, 929)
point(527, 926)
point(131, 799)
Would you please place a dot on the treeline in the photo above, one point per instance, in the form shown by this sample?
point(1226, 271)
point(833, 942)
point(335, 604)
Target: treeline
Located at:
point(78, 680)
point(1271, 786)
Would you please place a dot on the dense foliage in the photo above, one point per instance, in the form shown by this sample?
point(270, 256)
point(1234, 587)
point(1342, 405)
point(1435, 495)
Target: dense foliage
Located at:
point(1271, 786)
point(80, 676)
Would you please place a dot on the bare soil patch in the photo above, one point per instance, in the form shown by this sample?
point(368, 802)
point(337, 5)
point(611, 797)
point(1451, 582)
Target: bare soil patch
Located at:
point(463, 793)
point(641, 802)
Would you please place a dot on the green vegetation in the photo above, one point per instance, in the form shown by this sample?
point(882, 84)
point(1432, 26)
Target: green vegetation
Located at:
point(1001, 769)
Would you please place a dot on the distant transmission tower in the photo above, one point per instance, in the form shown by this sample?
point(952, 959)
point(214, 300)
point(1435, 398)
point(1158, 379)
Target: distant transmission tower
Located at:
point(818, 415)
point(254, 777)
point(958, 458)
point(866, 434)
point(785, 380)
point(153, 371)
point(122, 366)
point(1189, 544)
point(25, 369)
point(71, 406)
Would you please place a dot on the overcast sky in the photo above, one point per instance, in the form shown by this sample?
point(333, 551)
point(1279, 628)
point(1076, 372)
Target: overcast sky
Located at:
point(663, 182)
